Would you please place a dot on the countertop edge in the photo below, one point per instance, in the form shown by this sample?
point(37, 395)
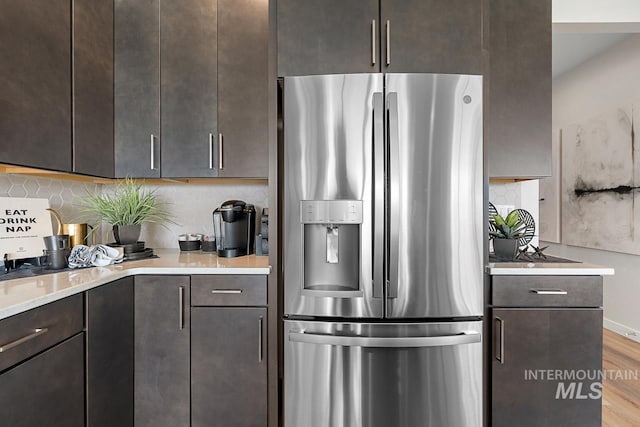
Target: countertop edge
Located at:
point(578, 269)
point(116, 272)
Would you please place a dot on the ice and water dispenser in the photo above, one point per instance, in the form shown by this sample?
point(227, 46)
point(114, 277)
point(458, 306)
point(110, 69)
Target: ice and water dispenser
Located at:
point(331, 244)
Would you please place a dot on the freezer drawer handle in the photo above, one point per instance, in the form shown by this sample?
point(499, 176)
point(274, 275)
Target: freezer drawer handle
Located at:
point(549, 292)
point(12, 344)
point(226, 291)
point(350, 341)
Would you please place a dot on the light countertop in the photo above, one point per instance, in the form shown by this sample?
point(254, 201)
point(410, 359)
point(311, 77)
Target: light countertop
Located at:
point(19, 295)
point(547, 269)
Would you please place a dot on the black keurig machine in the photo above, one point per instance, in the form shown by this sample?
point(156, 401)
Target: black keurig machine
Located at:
point(234, 224)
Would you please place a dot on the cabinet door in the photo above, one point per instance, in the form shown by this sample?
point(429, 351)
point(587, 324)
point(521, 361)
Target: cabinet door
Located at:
point(110, 354)
point(93, 87)
point(328, 37)
point(242, 88)
point(530, 341)
point(228, 367)
point(189, 87)
point(518, 120)
point(35, 95)
point(431, 36)
point(161, 386)
point(47, 390)
point(137, 88)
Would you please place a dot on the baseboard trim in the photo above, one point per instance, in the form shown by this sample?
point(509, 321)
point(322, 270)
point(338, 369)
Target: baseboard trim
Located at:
point(621, 329)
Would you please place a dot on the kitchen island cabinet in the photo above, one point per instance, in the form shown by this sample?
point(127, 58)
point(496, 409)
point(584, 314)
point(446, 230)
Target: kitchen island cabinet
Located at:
point(162, 345)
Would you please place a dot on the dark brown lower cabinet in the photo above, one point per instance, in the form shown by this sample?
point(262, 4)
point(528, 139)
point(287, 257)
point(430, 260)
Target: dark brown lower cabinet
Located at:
point(228, 366)
point(543, 367)
point(110, 354)
point(161, 373)
point(47, 390)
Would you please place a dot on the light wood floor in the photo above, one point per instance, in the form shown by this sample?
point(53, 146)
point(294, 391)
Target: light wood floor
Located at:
point(620, 398)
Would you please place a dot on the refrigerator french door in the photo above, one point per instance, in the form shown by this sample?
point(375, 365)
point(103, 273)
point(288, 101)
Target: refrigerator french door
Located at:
point(383, 264)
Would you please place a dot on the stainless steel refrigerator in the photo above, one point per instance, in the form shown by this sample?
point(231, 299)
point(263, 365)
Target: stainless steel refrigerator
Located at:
point(383, 263)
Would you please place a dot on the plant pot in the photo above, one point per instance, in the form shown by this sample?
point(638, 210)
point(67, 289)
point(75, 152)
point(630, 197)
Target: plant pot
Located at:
point(126, 234)
point(506, 249)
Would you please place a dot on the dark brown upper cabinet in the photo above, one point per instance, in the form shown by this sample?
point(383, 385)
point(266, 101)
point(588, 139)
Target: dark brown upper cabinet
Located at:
point(328, 37)
point(191, 88)
point(137, 88)
point(402, 36)
point(93, 87)
point(243, 34)
point(518, 116)
point(188, 87)
point(431, 36)
point(35, 71)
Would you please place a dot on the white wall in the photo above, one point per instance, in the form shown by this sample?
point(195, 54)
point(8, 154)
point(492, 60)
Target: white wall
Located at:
point(588, 11)
point(606, 81)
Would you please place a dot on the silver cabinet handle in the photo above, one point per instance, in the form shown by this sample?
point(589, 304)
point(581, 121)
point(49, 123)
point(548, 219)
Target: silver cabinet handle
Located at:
point(226, 291)
point(153, 153)
point(378, 196)
point(181, 306)
point(373, 42)
point(210, 151)
point(220, 151)
point(36, 332)
point(549, 292)
point(388, 42)
point(260, 340)
point(500, 353)
point(385, 342)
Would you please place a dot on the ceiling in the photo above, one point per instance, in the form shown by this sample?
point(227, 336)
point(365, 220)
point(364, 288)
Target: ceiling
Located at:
point(572, 49)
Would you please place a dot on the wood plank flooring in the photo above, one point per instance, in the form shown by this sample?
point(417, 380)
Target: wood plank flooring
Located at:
point(620, 398)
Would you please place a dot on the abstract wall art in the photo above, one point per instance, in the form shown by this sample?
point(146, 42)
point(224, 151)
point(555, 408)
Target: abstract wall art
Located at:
point(600, 179)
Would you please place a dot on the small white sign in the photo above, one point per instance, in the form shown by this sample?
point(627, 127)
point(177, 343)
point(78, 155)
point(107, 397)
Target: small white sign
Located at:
point(23, 224)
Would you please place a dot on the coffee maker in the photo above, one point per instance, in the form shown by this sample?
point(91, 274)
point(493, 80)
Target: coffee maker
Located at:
point(234, 224)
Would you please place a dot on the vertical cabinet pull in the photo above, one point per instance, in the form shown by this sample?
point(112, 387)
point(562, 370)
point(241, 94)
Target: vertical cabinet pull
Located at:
point(260, 340)
point(500, 335)
point(210, 151)
point(388, 42)
point(220, 152)
point(373, 42)
point(181, 307)
point(153, 153)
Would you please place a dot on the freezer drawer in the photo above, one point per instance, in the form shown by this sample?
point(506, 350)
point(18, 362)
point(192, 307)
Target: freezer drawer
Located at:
point(382, 374)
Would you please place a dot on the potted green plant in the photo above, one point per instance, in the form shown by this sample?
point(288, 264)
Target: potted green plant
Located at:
point(126, 208)
point(505, 233)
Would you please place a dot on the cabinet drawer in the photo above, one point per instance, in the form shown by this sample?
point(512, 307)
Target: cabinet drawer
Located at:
point(547, 291)
point(28, 333)
point(228, 290)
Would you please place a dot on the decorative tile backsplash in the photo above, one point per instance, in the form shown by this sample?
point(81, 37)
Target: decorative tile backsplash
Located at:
point(63, 195)
point(191, 204)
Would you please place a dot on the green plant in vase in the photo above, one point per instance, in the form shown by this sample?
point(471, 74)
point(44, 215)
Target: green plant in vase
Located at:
point(505, 233)
point(126, 208)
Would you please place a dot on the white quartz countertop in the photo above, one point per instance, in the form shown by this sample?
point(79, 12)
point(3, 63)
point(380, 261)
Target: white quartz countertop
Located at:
point(18, 295)
point(547, 269)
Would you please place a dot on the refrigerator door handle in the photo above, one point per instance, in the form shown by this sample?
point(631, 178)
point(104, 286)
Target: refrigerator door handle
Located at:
point(378, 195)
point(385, 342)
point(394, 194)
